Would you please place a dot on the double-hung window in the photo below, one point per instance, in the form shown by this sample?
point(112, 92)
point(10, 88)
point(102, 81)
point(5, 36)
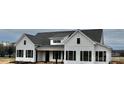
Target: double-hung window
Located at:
point(101, 56)
point(19, 53)
point(71, 55)
point(85, 56)
point(29, 53)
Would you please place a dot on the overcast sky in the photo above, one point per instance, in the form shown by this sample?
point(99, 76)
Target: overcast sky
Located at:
point(112, 37)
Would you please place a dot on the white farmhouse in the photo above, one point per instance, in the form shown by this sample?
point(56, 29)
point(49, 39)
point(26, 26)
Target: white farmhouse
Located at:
point(70, 47)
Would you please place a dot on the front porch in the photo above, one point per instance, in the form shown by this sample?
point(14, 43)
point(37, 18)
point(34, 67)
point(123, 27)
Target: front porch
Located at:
point(50, 54)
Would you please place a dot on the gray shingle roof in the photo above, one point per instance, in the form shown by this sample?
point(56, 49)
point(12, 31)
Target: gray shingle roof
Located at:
point(94, 34)
point(43, 38)
point(34, 39)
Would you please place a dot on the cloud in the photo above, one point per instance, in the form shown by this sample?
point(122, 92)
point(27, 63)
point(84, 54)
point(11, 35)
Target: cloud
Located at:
point(14, 34)
point(114, 38)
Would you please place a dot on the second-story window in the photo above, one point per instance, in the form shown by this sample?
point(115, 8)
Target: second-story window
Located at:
point(78, 40)
point(56, 41)
point(24, 42)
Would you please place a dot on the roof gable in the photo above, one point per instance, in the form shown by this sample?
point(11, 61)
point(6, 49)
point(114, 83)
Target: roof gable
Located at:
point(78, 31)
point(30, 37)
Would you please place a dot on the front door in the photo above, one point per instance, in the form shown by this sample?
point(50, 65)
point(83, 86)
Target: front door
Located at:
point(47, 56)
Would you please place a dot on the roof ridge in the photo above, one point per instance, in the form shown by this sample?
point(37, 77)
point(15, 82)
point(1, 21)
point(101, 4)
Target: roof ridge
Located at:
point(28, 34)
point(56, 31)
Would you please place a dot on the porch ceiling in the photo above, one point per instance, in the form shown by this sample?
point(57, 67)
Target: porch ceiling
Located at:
point(50, 48)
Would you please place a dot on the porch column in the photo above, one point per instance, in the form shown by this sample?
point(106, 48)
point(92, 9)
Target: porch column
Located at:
point(36, 57)
point(93, 56)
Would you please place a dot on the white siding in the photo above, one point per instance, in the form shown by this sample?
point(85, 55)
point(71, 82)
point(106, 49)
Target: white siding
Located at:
point(29, 46)
point(83, 41)
point(85, 45)
point(71, 45)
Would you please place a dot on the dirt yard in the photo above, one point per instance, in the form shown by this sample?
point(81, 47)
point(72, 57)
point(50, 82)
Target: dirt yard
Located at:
point(118, 60)
point(6, 60)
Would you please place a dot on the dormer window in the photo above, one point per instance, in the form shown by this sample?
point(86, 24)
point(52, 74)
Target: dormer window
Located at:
point(24, 42)
point(56, 41)
point(78, 40)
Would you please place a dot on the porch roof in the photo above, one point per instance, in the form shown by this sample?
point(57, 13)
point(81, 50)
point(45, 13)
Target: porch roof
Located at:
point(51, 48)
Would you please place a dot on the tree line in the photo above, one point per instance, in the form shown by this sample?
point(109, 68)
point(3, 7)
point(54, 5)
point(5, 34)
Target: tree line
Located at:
point(8, 50)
